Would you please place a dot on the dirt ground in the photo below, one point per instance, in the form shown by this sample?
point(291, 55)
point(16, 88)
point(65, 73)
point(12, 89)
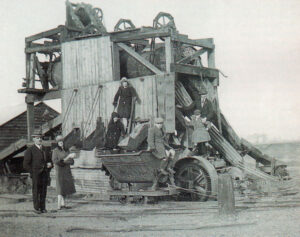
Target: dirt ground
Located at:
point(276, 215)
point(91, 217)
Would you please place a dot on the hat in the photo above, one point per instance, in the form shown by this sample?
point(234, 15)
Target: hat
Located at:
point(203, 91)
point(197, 112)
point(59, 138)
point(158, 120)
point(124, 79)
point(115, 115)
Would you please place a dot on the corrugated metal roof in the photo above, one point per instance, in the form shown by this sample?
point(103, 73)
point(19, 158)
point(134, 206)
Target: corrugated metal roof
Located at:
point(16, 128)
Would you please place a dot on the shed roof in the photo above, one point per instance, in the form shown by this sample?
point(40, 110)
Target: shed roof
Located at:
point(16, 128)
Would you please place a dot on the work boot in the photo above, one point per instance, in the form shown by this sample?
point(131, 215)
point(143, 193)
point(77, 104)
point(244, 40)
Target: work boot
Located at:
point(164, 172)
point(172, 180)
point(37, 211)
point(154, 185)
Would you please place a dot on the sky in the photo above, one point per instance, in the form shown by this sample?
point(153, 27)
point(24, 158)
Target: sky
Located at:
point(257, 47)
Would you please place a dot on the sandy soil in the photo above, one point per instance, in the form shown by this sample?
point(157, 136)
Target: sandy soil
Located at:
point(276, 216)
point(90, 217)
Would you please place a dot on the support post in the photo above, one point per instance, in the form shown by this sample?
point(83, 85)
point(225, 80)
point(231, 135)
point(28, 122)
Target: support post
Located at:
point(27, 62)
point(212, 64)
point(116, 62)
point(169, 53)
point(226, 202)
point(30, 120)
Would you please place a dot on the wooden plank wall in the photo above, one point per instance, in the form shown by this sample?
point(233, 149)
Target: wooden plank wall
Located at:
point(86, 62)
point(85, 96)
point(146, 91)
point(166, 100)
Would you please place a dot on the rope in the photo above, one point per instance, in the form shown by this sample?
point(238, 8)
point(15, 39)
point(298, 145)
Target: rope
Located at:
point(91, 112)
point(71, 101)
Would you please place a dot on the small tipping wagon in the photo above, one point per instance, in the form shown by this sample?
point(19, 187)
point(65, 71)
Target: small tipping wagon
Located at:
point(195, 178)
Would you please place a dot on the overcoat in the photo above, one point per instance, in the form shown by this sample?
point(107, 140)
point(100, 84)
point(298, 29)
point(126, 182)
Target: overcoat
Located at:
point(114, 131)
point(64, 179)
point(124, 95)
point(207, 110)
point(200, 133)
point(156, 142)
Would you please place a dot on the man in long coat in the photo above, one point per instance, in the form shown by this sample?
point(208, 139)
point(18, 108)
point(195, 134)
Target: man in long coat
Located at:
point(206, 108)
point(124, 98)
point(38, 163)
point(161, 150)
point(114, 131)
point(200, 135)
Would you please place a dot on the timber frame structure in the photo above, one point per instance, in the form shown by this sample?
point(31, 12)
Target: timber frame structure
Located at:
point(82, 64)
point(125, 40)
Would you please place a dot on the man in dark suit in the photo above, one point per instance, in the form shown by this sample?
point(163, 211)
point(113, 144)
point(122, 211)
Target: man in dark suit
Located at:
point(161, 150)
point(38, 163)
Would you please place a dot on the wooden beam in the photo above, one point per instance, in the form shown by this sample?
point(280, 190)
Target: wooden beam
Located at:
point(226, 201)
point(116, 61)
point(195, 70)
point(44, 48)
point(46, 127)
point(169, 53)
point(205, 43)
point(140, 35)
point(41, 73)
point(212, 64)
point(44, 34)
point(31, 73)
point(51, 95)
point(257, 155)
point(30, 120)
point(189, 58)
point(139, 58)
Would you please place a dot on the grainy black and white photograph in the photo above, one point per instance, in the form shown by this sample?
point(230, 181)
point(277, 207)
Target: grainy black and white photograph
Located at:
point(144, 118)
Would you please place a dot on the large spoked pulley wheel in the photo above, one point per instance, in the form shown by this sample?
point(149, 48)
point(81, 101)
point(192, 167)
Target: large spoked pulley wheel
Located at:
point(124, 24)
point(98, 13)
point(194, 181)
point(163, 20)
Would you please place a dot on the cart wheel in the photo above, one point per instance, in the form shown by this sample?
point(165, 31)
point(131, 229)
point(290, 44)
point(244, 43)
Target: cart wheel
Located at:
point(123, 199)
point(138, 199)
point(194, 177)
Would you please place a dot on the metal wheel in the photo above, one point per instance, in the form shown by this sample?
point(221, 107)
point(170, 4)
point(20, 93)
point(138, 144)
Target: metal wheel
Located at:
point(123, 199)
point(193, 177)
point(124, 24)
point(162, 20)
point(98, 13)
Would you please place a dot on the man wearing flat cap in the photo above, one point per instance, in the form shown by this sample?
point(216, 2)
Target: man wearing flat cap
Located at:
point(38, 163)
point(161, 150)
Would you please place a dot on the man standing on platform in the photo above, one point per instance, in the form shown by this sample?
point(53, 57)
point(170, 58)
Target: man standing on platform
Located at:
point(125, 99)
point(38, 163)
